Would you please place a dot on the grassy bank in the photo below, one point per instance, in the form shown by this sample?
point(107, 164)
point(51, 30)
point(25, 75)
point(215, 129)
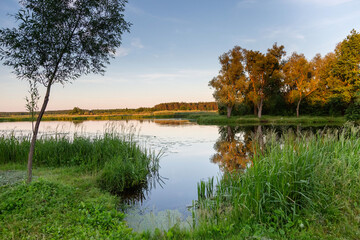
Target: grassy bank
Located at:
point(299, 187)
point(201, 117)
point(115, 156)
point(144, 115)
point(303, 186)
point(269, 120)
point(61, 203)
point(74, 176)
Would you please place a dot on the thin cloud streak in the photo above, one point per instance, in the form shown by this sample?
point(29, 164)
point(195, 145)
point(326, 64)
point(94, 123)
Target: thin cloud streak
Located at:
point(325, 3)
point(182, 75)
point(136, 42)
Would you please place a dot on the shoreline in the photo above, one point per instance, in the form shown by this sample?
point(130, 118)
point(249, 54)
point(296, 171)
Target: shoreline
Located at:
point(200, 117)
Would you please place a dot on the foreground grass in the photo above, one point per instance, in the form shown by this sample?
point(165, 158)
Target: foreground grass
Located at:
point(119, 160)
point(62, 203)
point(299, 187)
point(74, 176)
point(303, 186)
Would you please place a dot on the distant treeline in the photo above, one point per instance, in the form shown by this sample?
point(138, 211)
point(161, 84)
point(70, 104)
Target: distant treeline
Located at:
point(173, 106)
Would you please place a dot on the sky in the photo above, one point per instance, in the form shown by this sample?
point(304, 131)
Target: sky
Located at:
point(172, 50)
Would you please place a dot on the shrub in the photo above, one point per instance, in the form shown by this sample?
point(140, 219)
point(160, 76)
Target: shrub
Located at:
point(353, 112)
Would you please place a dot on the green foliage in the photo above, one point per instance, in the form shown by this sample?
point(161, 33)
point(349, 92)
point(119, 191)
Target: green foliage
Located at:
point(175, 106)
point(122, 162)
point(77, 111)
point(298, 185)
point(239, 109)
point(128, 170)
point(346, 67)
point(61, 150)
point(50, 210)
point(57, 41)
point(353, 112)
point(230, 85)
point(31, 103)
point(323, 86)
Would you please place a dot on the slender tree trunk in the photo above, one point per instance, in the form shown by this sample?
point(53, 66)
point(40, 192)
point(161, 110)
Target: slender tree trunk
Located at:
point(35, 132)
point(229, 109)
point(298, 108)
point(230, 134)
point(260, 108)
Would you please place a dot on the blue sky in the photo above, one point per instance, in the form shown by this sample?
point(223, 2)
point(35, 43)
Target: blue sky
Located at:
point(172, 50)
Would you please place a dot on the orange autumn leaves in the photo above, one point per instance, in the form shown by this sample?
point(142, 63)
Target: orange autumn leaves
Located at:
point(253, 78)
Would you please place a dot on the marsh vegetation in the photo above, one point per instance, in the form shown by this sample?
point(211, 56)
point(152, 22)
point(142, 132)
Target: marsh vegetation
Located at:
point(276, 182)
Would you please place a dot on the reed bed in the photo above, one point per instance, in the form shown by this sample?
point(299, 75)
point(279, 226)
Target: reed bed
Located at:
point(115, 156)
point(298, 182)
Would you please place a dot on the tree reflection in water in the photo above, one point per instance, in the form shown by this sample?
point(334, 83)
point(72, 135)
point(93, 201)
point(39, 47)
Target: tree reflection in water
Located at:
point(236, 146)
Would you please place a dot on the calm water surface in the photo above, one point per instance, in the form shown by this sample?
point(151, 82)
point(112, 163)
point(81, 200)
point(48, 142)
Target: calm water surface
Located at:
point(190, 153)
point(185, 161)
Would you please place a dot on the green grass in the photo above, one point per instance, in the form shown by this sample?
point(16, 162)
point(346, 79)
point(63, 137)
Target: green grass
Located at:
point(201, 117)
point(127, 116)
point(299, 187)
point(304, 186)
point(74, 176)
point(121, 162)
point(266, 119)
point(62, 203)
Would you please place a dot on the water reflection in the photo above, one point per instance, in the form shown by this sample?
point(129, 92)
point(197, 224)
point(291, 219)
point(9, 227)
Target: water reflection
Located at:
point(233, 148)
point(236, 145)
point(187, 148)
point(137, 195)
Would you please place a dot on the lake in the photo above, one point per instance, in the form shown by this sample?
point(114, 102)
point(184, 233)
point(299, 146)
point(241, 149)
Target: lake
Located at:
point(191, 153)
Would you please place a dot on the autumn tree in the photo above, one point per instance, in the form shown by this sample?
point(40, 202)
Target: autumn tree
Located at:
point(57, 41)
point(299, 79)
point(264, 72)
point(230, 85)
point(328, 85)
point(347, 66)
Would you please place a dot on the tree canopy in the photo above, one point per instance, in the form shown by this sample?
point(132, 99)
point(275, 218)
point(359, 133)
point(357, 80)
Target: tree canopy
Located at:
point(274, 84)
point(57, 41)
point(299, 79)
point(230, 85)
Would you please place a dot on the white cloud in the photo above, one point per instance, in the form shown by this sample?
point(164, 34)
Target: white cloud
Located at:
point(136, 42)
point(283, 32)
point(140, 12)
point(158, 76)
point(122, 52)
point(178, 75)
point(323, 2)
point(248, 40)
point(133, 9)
point(244, 3)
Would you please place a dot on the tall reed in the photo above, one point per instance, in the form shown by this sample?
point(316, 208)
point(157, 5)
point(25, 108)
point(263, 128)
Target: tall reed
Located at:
point(294, 176)
point(121, 162)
